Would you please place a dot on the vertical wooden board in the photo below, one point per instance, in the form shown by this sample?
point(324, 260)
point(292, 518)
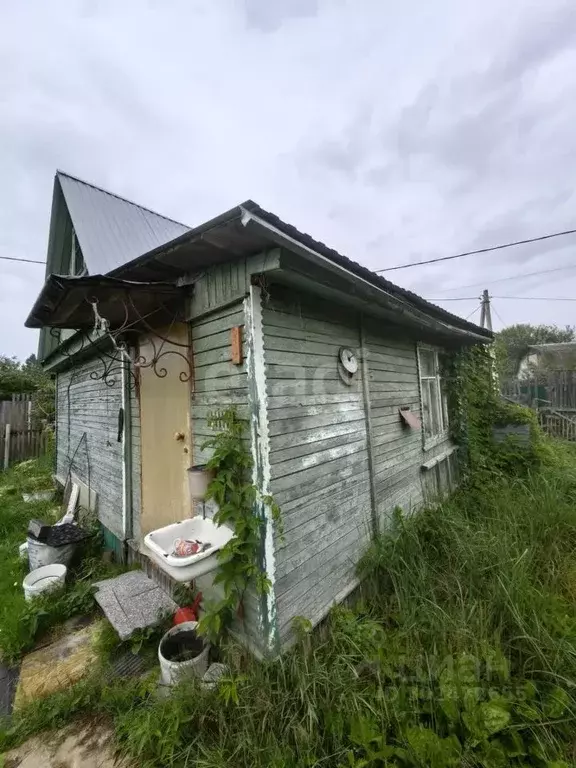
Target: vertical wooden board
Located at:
point(86, 405)
point(218, 384)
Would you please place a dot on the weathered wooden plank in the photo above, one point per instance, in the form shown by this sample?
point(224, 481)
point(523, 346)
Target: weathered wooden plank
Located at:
point(321, 500)
point(219, 340)
point(218, 321)
point(335, 416)
point(315, 373)
point(321, 536)
point(309, 387)
point(382, 365)
point(315, 604)
point(320, 347)
point(304, 464)
point(301, 524)
point(401, 389)
point(394, 434)
point(205, 406)
point(284, 300)
point(307, 439)
point(387, 399)
point(225, 383)
point(389, 339)
point(218, 371)
point(407, 380)
point(288, 489)
point(308, 405)
point(386, 464)
point(277, 323)
point(294, 359)
point(291, 587)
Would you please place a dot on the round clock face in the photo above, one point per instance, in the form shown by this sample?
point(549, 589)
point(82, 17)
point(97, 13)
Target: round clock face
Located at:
point(348, 360)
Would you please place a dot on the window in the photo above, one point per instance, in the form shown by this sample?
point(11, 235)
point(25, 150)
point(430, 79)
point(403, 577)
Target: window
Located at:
point(434, 409)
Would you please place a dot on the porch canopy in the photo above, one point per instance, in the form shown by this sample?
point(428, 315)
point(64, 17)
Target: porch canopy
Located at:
point(70, 302)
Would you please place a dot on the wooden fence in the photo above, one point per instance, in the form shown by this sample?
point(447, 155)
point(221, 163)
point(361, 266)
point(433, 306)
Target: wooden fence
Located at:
point(21, 444)
point(558, 424)
point(555, 389)
point(17, 411)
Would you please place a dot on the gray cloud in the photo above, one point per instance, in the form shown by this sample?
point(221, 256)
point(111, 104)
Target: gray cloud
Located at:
point(393, 133)
point(269, 16)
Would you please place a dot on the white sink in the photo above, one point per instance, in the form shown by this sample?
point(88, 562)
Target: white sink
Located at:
point(160, 546)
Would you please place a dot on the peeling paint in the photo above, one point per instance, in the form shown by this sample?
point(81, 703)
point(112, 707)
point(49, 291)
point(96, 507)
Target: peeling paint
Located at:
point(260, 444)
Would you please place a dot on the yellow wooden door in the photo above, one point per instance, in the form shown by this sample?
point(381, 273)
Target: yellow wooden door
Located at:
point(165, 434)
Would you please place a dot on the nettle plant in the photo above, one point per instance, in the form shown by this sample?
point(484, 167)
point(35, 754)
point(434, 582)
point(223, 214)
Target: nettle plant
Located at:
point(241, 507)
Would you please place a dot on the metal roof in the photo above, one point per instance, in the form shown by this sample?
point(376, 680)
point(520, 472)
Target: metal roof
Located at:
point(249, 229)
point(111, 230)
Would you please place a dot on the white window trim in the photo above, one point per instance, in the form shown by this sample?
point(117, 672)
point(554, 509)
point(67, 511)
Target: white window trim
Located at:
point(431, 442)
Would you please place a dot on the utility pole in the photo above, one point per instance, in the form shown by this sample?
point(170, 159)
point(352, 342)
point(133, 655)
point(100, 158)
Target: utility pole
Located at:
point(485, 312)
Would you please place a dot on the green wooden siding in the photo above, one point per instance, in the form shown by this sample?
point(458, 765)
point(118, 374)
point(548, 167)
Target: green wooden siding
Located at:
point(319, 448)
point(217, 385)
point(318, 454)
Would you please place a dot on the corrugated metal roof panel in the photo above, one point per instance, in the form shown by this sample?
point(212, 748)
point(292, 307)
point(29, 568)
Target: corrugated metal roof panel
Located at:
point(111, 230)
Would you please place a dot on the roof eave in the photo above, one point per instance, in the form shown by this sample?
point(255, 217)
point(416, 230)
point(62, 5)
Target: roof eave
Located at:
point(250, 219)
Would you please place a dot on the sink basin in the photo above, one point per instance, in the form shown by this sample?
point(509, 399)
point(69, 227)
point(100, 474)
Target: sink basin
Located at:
point(160, 544)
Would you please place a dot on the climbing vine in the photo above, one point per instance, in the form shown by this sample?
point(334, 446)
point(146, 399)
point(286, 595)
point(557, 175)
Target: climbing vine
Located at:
point(477, 410)
point(236, 499)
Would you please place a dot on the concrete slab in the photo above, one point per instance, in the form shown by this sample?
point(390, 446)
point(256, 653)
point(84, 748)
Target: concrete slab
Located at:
point(133, 601)
point(57, 666)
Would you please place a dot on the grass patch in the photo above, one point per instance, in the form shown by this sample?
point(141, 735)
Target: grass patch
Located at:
point(461, 652)
point(22, 623)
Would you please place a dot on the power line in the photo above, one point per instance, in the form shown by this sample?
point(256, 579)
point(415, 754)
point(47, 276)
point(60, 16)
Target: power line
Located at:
point(537, 298)
point(480, 250)
point(514, 298)
point(513, 277)
point(474, 312)
point(28, 261)
point(498, 315)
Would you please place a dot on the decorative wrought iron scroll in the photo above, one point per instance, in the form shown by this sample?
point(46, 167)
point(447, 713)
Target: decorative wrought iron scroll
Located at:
point(112, 363)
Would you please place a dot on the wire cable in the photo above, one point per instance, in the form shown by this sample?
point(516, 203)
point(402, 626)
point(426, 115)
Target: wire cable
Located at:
point(514, 298)
point(513, 277)
point(28, 261)
point(493, 308)
point(481, 250)
point(473, 312)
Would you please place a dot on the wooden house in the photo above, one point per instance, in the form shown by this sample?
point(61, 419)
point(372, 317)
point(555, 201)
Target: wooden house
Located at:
point(335, 369)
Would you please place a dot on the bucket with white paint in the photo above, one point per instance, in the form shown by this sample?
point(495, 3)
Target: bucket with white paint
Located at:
point(182, 651)
point(40, 554)
point(43, 580)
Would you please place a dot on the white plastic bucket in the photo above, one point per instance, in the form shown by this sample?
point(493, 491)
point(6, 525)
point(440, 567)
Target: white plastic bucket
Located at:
point(40, 554)
point(172, 671)
point(44, 579)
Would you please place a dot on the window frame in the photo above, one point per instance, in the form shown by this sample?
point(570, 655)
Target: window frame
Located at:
point(429, 441)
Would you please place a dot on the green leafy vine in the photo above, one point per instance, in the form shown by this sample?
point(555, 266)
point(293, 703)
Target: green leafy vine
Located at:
point(237, 501)
point(476, 409)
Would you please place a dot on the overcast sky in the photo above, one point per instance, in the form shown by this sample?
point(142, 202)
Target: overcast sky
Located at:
point(394, 132)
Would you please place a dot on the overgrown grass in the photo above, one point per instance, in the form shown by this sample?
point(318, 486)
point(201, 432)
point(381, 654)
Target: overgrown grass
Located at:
point(21, 623)
point(461, 652)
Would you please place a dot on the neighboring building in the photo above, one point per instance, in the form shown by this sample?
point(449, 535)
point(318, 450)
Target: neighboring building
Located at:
point(335, 368)
point(555, 356)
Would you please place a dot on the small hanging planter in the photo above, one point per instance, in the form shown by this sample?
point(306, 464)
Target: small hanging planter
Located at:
point(199, 478)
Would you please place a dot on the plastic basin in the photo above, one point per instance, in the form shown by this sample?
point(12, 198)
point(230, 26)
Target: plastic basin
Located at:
point(43, 580)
